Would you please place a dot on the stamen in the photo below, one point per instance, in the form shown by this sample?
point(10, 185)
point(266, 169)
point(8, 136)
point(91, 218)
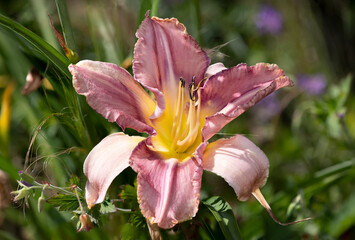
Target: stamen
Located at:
point(192, 89)
point(193, 80)
point(193, 132)
point(187, 126)
point(192, 92)
point(180, 107)
point(182, 82)
point(182, 141)
point(177, 107)
point(199, 84)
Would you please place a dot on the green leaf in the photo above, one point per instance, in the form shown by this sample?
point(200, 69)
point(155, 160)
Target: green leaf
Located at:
point(152, 5)
point(332, 171)
point(295, 205)
point(65, 22)
point(333, 125)
point(129, 193)
point(155, 7)
point(129, 232)
point(107, 207)
point(47, 51)
point(223, 214)
point(344, 218)
point(39, 10)
point(64, 202)
point(74, 180)
point(341, 92)
point(137, 220)
point(145, 6)
point(327, 177)
point(26, 177)
point(107, 45)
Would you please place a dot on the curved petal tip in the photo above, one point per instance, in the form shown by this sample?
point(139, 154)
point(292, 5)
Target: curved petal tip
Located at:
point(259, 196)
point(105, 161)
point(240, 162)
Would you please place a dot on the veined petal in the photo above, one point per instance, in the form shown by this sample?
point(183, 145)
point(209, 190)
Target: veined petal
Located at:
point(240, 162)
point(163, 53)
point(168, 191)
point(230, 92)
point(105, 161)
point(112, 92)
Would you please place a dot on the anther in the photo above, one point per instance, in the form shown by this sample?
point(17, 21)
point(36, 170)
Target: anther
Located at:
point(193, 80)
point(192, 93)
point(200, 83)
point(182, 81)
point(192, 89)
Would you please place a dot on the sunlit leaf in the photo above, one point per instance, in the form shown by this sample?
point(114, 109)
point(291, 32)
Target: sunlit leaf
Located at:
point(107, 207)
point(64, 202)
point(223, 214)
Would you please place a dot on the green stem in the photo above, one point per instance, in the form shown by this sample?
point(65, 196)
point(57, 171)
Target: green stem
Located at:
point(37, 185)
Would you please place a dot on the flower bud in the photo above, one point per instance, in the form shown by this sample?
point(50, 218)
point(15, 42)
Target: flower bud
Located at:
point(33, 81)
point(85, 222)
point(26, 177)
point(41, 202)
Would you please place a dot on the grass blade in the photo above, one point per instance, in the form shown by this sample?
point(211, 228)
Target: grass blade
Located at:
point(50, 53)
point(39, 10)
point(65, 23)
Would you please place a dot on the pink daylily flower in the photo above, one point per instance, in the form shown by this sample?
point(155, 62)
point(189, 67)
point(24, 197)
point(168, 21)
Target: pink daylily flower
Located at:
point(192, 101)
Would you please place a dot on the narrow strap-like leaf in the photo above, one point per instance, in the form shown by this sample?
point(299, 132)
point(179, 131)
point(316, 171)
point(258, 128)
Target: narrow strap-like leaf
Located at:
point(66, 25)
point(223, 213)
point(155, 7)
point(55, 57)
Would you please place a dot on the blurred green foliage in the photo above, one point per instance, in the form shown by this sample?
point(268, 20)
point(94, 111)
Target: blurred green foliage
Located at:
point(308, 138)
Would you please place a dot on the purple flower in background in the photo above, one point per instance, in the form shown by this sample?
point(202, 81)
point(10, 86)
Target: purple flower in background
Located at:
point(268, 20)
point(312, 84)
point(268, 108)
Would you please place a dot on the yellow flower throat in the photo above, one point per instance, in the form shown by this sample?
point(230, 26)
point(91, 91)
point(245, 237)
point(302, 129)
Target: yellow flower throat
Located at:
point(179, 129)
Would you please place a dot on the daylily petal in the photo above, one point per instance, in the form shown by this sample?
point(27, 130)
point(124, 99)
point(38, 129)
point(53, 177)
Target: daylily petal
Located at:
point(163, 53)
point(240, 162)
point(168, 191)
point(112, 92)
point(214, 68)
point(230, 92)
point(105, 161)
